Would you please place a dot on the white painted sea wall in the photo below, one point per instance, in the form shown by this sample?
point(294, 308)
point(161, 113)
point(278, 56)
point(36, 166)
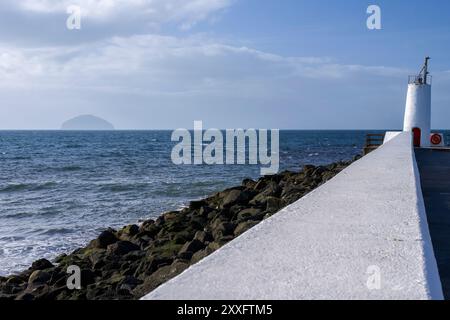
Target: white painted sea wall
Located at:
point(362, 235)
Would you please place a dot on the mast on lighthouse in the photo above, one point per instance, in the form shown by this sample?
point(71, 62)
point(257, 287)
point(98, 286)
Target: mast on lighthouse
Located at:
point(418, 107)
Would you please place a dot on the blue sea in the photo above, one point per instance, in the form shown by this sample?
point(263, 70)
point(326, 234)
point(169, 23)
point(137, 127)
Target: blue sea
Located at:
point(59, 189)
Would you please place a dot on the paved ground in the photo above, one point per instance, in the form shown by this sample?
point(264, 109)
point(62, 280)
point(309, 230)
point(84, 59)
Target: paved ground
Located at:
point(434, 167)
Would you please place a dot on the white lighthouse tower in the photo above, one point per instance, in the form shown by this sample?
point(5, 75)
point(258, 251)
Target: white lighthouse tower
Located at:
point(418, 107)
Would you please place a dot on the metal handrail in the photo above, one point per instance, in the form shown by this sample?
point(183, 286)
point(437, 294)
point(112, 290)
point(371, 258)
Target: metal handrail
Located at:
point(374, 139)
point(420, 79)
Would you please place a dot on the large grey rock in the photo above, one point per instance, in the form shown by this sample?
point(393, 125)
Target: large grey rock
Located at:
point(249, 214)
point(232, 198)
point(222, 230)
point(38, 277)
point(203, 236)
point(244, 226)
point(200, 255)
point(41, 264)
point(274, 204)
point(122, 248)
point(159, 277)
point(106, 238)
point(192, 246)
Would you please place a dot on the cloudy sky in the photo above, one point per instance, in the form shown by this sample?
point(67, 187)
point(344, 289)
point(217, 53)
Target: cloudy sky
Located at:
point(157, 64)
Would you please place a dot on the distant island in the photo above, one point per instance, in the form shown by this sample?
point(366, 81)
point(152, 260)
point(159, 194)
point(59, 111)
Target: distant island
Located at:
point(87, 122)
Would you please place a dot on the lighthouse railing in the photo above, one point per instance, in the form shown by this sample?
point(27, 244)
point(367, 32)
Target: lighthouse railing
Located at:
point(419, 79)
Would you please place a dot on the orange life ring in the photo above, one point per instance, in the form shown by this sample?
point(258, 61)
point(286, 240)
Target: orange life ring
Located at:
point(436, 139)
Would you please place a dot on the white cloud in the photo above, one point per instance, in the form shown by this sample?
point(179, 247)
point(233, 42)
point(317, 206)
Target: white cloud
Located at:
point(185, 12)
point(153, 63)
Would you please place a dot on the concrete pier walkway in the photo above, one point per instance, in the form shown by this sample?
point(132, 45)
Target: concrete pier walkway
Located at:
point(362, 235)
point(434, 167)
